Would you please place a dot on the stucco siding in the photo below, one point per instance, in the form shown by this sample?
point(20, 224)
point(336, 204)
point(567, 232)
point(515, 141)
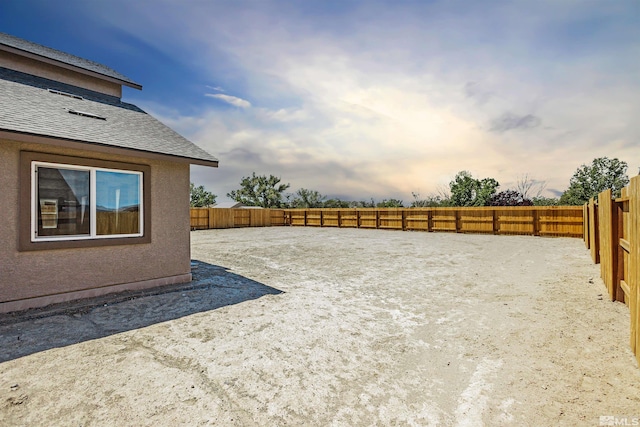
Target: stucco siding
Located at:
point(29, 275)
point(53, 72)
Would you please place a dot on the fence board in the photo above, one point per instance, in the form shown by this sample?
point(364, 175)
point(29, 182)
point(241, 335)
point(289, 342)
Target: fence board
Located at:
point(368, 218)
point(221, 218)
point(516, 221)
point(418, 219)
point(348, 218)
point(585, 229)
point(314, 217)
point(594, 240)
point(634, 263)
point(444, 219)
point(331, 217)
point(259, 217)
point(476, 221)
point(608, 242)
point(199, 218)
point(277, 217)
point(391, 218)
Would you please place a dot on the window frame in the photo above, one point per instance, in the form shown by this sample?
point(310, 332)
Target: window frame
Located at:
point(28, 202)
point(93, 196)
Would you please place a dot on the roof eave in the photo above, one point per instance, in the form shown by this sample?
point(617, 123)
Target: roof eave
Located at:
point(67, 66)
point(101, 148)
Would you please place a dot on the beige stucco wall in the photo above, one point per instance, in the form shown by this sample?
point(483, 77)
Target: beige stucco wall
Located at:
point(61, 272)
point(53, 72)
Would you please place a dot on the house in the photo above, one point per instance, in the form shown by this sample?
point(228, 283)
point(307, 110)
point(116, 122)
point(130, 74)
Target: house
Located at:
point(93, 191)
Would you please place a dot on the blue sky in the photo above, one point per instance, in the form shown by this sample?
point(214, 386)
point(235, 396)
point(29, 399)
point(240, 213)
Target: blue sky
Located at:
point(362, 99)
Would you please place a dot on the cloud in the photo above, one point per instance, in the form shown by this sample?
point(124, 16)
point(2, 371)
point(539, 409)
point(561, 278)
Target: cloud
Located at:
point(403, 95)
point(216, 88)
point(510, 121)
point(475, 91)
point(231, 100)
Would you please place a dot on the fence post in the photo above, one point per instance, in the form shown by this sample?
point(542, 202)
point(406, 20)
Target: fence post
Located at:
point(536, 222)
point(457, 217)
point(429, 220)
point(305, 217)
point(585, 224)
point(496, 227)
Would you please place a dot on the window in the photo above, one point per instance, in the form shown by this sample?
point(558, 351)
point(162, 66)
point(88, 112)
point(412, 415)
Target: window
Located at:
point(76, 202)
point(80, 202)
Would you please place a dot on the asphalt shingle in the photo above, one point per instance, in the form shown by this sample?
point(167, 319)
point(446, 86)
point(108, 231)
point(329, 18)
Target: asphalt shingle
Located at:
point(27, 106)
point(47, 52)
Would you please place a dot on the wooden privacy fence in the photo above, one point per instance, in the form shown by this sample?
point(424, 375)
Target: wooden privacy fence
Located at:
point(527, 220)
point(613, 237)
point(205, 218)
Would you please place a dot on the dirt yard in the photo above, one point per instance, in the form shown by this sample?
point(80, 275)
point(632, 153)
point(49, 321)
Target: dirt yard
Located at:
point(336, 327)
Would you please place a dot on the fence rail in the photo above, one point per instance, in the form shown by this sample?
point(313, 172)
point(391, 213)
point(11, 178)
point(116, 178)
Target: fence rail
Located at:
point(529, 220)
point(612, 233)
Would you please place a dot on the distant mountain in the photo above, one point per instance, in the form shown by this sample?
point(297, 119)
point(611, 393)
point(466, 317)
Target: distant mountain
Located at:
point(132, 208)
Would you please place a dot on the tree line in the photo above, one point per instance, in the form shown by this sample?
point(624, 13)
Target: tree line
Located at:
point(464, 190)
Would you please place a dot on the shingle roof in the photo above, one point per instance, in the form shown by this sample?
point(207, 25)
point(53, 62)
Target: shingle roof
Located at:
point(27, 106)
point(66, 58)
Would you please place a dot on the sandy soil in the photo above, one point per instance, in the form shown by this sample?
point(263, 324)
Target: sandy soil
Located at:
point(336, 327)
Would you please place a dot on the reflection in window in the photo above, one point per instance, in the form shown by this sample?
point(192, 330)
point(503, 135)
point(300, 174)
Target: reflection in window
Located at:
point(63, 202)
point(117, 203)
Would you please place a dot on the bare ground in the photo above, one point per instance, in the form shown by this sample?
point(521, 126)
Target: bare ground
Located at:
point(335, 327)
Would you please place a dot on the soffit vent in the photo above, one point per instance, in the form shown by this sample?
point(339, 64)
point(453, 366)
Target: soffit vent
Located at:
point(85, 114)
point(70, 95)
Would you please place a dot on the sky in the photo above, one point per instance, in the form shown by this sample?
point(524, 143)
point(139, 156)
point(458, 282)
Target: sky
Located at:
point(369, 99)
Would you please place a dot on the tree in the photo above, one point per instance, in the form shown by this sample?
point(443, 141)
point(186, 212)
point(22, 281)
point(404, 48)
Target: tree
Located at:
point(509, 198)
point(307, 199)
point(431, 200)
point(545, 201)
point(529, 187)
point(363, 204)
point(336, 203)
point(260, 191)
point(468, 191)
point(200, 197)
point(390, 203)
point(589, 180)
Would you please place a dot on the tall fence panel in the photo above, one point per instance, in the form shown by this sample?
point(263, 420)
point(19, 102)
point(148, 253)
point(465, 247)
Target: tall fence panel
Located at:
point(199, 218)
point(614, 233)
point(221, 218)
point(277, 217)
point(206, 218)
